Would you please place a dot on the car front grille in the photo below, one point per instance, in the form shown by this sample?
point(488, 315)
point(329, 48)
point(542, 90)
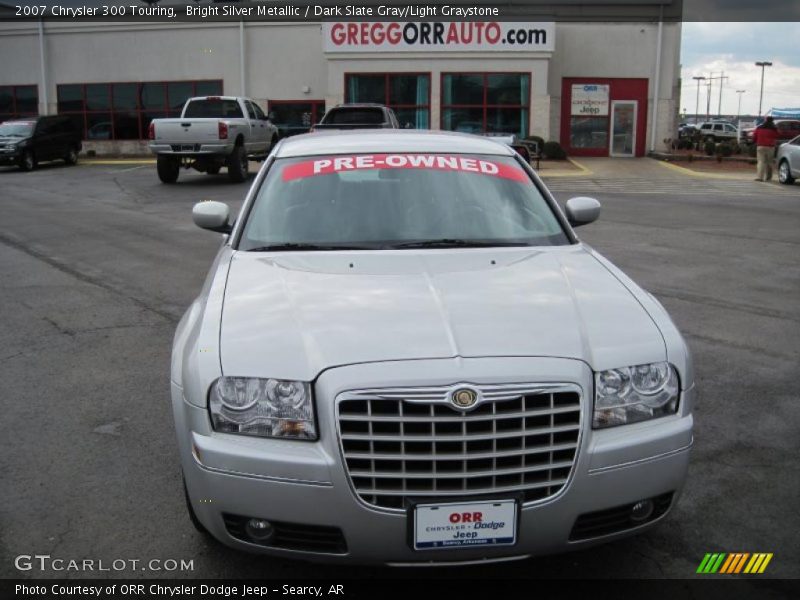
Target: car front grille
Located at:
point(404, 443)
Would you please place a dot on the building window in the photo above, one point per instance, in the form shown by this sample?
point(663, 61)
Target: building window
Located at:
point(18, 101)
point(123, 111)
point(486, 102)
point(407, 94)
point(295, 116)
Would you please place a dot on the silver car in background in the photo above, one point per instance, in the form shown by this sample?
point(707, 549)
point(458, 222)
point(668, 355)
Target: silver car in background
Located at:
point(788, 160)
point(403, 354)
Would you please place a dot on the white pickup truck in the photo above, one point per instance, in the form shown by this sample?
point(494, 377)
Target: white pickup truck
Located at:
point(212, 132)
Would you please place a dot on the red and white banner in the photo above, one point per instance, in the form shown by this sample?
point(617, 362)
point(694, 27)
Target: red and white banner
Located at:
point(456, 36)
point(439, 162)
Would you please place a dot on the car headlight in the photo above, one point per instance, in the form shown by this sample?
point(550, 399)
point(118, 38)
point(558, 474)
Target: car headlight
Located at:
point(633, 394)
point(262, 407)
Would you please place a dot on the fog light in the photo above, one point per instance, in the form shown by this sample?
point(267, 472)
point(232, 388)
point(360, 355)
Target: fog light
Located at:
point(642, 510)
point(259, 530)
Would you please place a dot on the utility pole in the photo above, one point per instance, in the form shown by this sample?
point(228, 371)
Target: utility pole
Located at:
point(762, 64)
point(697, 100)
point(711, 79)
point(722, 79)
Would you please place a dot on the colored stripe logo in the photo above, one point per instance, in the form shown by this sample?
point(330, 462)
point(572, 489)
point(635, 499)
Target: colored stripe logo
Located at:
point(734, 563)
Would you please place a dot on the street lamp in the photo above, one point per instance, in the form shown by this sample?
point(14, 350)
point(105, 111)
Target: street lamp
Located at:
point(697, 101)
point(762, 64)
point(739, 110)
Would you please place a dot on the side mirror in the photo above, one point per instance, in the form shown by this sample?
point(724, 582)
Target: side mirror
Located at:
point(582, 210)
point(212, 215)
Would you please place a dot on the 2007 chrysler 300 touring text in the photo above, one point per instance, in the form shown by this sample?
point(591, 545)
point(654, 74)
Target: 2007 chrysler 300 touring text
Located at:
point(403, 354)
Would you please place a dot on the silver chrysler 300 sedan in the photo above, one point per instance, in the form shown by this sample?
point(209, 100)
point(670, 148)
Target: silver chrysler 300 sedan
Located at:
point(403, 354)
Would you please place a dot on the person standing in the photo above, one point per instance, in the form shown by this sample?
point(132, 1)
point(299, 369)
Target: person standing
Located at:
point(764, 137)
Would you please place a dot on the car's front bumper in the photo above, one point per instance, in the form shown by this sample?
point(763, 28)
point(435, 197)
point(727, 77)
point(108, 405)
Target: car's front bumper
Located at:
point(304, 483)
point(8, 157)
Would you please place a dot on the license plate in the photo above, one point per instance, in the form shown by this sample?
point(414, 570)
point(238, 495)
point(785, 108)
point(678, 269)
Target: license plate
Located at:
point(484, 523)
point(187, 147)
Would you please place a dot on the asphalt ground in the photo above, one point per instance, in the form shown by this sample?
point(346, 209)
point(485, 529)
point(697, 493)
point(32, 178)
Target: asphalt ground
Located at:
point(98, 262)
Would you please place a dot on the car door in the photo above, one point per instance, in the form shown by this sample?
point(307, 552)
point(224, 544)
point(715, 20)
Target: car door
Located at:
point(43, 139)
point(257, 130)
point(793, 152)
point(264, 125)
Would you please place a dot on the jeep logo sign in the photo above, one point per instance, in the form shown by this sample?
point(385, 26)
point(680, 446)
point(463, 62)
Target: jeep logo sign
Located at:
point(589, 100)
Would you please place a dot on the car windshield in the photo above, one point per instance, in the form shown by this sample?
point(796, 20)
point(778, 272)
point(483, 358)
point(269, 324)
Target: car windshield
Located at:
point(16, 128)
point(399, 201)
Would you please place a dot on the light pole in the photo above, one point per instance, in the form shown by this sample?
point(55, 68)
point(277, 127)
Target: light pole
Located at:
point(697, 101)
point(739, 110)
point(762, 64)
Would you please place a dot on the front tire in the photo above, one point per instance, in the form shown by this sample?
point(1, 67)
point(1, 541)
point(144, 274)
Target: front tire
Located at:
point(71, 157)
point(785, 173)
point(27, 161)
point(238, 165)
point(168, 168)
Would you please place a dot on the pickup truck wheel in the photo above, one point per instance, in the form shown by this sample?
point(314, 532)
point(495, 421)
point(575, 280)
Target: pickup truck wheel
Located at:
point(27, 161)
point(212, 170)
point(168, 168)
point(238, 165)
point(71, 157)
point(785, 173)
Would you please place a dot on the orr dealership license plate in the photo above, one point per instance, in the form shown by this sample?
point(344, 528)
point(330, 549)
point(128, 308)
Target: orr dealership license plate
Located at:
point(490, 522)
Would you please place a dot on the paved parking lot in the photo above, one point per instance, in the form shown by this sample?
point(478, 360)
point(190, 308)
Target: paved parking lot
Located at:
point(98, 262)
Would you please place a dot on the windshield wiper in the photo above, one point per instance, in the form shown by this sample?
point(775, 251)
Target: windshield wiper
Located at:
point(290, 246)
point(454, 243)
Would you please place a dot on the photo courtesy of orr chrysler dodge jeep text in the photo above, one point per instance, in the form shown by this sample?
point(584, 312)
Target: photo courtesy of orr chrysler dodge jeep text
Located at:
point(403, 354)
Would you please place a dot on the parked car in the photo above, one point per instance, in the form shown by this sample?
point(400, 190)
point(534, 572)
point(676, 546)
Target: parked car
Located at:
point(717, 131)
point(358, 116)
point(687, 130)
point(212, 132)
point(787, 129)
point(27, 142)
point(788, 160)
point(404, 354)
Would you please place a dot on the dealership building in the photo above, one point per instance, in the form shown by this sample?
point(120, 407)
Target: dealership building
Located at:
point(601, 78)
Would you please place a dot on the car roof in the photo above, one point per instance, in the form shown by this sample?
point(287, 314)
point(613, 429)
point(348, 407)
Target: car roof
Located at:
point(388, 140)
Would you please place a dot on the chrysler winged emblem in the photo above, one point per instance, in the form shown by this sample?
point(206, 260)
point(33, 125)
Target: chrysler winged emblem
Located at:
point(464, 398)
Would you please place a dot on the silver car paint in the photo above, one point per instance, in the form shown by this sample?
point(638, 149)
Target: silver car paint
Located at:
point(543, 314)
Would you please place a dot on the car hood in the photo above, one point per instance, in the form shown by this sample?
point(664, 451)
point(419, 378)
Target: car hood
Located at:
point(293, 315)
point(12, 140)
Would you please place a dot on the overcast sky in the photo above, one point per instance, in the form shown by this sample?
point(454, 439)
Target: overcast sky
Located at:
point(734, 48)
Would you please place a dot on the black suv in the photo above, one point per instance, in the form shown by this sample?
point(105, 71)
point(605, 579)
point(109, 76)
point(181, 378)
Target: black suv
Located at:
point(26, 142)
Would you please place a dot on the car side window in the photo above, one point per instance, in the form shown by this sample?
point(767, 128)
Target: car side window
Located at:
point(718, 127)
point(259, 113)
point(250, 110)
point(705, 126)
point(44, 127)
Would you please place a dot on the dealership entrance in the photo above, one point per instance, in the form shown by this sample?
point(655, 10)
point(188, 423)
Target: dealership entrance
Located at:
point(603, 117)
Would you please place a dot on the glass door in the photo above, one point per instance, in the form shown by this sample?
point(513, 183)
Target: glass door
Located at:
point(623, 128)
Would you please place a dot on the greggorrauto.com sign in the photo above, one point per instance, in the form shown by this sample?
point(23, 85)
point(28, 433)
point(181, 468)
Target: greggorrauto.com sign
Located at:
point(393, 36)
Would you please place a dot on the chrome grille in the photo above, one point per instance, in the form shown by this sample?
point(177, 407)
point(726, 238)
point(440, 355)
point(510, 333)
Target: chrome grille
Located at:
point(404, 443)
